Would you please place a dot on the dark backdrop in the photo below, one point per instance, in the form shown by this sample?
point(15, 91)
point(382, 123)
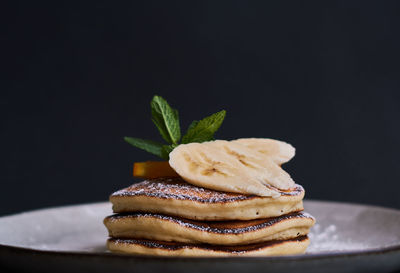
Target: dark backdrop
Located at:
point(76, 78)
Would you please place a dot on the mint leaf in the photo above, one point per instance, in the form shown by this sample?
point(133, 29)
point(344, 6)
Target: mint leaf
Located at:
point(147, 145)
point(203, 130)
point(166, 119)
point(166, 149)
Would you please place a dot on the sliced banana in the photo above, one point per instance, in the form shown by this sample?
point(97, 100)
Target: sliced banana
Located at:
point(259, 165)
point(229, 166)
point(280, 152)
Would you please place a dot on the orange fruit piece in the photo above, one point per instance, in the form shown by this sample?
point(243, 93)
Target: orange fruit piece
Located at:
point(153, 169)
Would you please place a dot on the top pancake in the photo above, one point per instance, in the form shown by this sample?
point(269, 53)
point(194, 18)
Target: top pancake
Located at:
point(173, 196)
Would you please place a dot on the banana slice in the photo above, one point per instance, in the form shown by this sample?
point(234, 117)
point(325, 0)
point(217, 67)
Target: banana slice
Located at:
point(229, 166)
point(280, 152)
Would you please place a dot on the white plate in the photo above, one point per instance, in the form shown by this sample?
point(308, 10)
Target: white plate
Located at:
point(346, 237)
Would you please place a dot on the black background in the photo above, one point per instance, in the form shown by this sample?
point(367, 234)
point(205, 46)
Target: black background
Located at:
point(77, 77)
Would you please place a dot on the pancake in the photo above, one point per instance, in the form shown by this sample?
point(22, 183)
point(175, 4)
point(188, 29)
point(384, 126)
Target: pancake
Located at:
point(173, 196)
point(147, 247)
point(167, 228)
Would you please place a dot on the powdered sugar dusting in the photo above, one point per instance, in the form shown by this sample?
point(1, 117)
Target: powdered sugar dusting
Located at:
point(176, 188)
point(326, 239)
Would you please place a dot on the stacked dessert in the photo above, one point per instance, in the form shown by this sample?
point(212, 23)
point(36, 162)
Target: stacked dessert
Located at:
point(228, 198)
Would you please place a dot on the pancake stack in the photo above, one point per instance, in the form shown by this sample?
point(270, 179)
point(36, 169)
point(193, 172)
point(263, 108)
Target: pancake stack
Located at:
point(170, 217)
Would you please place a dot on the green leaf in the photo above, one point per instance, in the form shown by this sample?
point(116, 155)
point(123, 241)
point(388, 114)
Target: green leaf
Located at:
point(192, 125)
point(166, 119)
point(147, 145)
point(166, 149)
point(203, 130)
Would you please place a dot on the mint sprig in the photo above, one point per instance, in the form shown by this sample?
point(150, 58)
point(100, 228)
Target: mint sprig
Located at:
point(166, 120)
